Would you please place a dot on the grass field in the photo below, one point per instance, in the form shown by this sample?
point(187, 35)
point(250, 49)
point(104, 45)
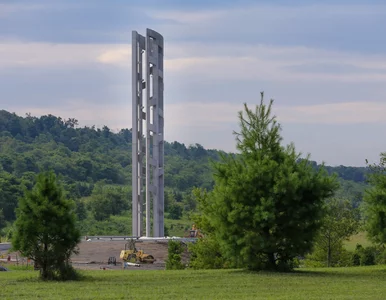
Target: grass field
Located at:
point(359, 238)
point(178, 227)
point(338, 283)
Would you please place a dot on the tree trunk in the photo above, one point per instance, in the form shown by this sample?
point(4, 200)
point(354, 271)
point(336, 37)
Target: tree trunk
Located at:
point(272, 261)
point(329, 252)
point(44, 266)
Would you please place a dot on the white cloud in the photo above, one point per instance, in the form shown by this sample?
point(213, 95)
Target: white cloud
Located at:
point(60, 55)
point(217, 114)
point(259, 19)
point(228, 52)
point(334, 113)
point(119, 56)
point(209, 61)
point(255, 12)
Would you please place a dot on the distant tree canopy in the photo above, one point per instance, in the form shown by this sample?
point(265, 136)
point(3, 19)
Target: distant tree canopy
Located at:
point(87, 158)
point(108, 200)
point(10, 191)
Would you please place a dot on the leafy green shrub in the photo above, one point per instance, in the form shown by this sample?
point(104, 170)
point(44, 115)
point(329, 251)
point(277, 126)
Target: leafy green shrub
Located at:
point(380, 258)
point(6, 233)
point(340, 257)
point(174, 261)
point(356, 259)
point(206, 254)
point(67, 272)
point(367, 256)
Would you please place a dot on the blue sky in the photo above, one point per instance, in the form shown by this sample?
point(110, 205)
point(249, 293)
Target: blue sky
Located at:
point(324, 63)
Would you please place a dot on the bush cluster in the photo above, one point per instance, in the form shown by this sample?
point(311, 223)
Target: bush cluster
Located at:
point(174, 260)
point(362, 256)
point(367, 256)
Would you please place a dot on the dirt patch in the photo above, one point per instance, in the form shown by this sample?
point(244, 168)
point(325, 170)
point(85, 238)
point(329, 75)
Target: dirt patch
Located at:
point(95, 255)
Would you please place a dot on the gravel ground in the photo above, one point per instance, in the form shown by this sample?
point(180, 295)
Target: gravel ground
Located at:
point(94, 255)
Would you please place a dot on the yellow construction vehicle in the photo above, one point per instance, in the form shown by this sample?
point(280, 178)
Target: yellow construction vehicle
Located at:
point(131, 254)
point(194, 233)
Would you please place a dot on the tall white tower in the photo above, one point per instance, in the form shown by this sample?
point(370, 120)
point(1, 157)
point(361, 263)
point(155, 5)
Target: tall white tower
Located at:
point(148, 147)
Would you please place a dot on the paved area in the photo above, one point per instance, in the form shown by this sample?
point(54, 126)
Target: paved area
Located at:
point(5, 246)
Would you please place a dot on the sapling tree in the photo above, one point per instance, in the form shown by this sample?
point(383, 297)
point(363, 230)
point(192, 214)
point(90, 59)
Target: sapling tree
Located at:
point(267, 204)
point(45, 228)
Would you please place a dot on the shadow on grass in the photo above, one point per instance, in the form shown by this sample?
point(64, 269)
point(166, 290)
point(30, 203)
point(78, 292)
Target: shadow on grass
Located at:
point(33, 276)
point(348, 272)
point(277, 273)
point(116, 275)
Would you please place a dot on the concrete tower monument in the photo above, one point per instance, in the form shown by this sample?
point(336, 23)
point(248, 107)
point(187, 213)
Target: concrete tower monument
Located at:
point(147, 133)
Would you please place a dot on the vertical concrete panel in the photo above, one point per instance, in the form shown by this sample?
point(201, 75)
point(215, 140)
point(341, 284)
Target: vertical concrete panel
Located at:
point(138, 46)
point(153, 168)
point(134, 97)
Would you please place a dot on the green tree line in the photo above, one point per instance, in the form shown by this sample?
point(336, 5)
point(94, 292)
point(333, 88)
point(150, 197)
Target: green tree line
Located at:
point(94, 167)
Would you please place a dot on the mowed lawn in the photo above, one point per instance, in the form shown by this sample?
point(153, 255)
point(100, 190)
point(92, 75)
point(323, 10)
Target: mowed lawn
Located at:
point(337, 283)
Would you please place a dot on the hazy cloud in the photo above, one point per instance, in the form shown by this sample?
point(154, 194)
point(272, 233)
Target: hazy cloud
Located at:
point(323, 63)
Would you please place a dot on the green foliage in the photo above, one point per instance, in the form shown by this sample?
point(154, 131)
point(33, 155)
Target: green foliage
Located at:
point(339, 257)
point(173, 208)
point(375, 202)
point(87, 157)
point(362, 256)
point(339, 224)
point(380, 258)
point(6, 233)
point(2, 220)
point(174, 260)
point(80, 210)
point(91, 161)
point(367, 256)
point(11, 190)
point(206, 254)
point(267, 204)
point(107, 200)
point(113, 225)
point(178, 227)
point(352, 191)
point(202, 220)
point(351, 174)
point(45, 229)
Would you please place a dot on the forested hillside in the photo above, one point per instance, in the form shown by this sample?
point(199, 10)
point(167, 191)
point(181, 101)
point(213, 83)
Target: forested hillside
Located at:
point(94, 165)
